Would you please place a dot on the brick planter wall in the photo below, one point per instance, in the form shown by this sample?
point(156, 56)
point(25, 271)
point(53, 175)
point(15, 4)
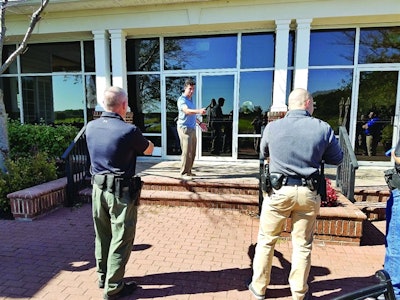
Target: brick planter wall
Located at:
point(29, 203)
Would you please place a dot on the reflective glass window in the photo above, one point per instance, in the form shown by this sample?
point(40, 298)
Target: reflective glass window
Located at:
point(258, 50)
point(145, 102)
point(331, 90)
point(7, 51)
point(9, 86)
point(204, 52)
point(332, 47)
point(292, 37)
point(143, 54)
point(379, 45)
point(69, 99)
point(247, 147)
point(54, 57)
point(53, 99)
point(255, 98)
point(88, 48)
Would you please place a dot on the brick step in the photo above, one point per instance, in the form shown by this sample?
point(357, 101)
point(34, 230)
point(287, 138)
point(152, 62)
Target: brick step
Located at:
point(188, 198)
point(371, 193)
point(200, 199)
point(375, 211)
point(158, 183)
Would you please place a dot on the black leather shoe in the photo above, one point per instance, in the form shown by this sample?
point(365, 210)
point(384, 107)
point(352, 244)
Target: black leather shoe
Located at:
point(101, 284)
point(127, 289)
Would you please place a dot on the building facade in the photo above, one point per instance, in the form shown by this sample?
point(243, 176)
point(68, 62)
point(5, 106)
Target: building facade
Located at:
point(251, 53)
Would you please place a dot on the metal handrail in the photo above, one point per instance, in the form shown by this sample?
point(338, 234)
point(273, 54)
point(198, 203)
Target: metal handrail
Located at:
point(346, 171)
point(384, 287)
point(77, 163)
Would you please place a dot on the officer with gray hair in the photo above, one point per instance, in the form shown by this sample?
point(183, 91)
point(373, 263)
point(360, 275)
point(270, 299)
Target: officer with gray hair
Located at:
point(113, 147)
point(295, 146)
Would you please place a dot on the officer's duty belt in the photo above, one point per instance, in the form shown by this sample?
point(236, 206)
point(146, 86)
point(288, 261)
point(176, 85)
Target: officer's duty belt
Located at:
point(292, 181)
point(115, 183)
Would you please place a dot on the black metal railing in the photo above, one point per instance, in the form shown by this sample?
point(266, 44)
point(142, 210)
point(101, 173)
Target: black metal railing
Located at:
point(384, 287)
point(77, 163)
point(346, 171)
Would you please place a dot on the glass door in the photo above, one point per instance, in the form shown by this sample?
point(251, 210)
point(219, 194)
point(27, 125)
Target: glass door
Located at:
point(377, 114)
point(217, 94)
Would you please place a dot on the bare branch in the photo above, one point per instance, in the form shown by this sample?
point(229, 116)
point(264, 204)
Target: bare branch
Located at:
point(34, 19)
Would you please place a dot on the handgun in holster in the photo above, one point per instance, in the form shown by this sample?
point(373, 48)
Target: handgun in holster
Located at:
point(133, 184)
point(266, 180)
point(135, 188)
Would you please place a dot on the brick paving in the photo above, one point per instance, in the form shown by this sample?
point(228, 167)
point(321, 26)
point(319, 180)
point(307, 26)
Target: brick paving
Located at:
point(179, 253)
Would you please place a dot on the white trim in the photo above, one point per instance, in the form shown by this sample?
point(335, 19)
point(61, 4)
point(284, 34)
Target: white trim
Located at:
point(102, 61)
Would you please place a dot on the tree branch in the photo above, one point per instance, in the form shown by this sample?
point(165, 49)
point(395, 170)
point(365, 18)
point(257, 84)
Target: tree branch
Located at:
point(34, 19)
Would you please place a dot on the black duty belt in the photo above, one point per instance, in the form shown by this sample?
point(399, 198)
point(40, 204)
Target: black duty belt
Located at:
point(114, 183)
point(292, 181)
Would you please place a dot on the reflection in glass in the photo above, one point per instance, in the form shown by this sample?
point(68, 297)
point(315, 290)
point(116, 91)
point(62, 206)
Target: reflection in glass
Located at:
point(331, 90)
point(53, 99)
point(264, 56)
point(207, 52)
point(255, 94)
point(379, 45)
point(218, 139)
point(143, 54)
point(292, 38)
point(9, 86)
point(145, 102)
point(377, 93)
point(246, 148)
point(332, 47)
point(91, 98)
point(289, 84)
point(88, 47)
point(69, 99)
point(7, 51)
point(60, 57)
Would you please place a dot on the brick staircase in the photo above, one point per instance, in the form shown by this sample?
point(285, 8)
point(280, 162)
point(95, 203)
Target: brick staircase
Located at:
point(343, 224)
point(371, 200)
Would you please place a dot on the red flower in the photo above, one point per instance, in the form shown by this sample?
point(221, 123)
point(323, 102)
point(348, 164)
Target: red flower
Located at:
point(331, 196)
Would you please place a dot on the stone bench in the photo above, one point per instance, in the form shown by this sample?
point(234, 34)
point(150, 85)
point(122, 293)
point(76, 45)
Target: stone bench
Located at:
point(30, 203)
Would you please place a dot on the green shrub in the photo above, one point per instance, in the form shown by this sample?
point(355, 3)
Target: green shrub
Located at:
point(22, 173)
point(27, 139)
point(34, 158)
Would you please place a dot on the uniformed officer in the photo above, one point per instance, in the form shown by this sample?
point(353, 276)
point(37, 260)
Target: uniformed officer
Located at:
point(295, 146)
point(113, 147)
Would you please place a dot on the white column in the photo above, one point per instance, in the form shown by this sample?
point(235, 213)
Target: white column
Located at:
point(302, 52)
point(102, 60)
point(281, 64)
point(118, 58)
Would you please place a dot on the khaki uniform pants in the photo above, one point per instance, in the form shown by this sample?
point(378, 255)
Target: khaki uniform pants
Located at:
point(188, 139)
point(115, 226)
point(303, 206)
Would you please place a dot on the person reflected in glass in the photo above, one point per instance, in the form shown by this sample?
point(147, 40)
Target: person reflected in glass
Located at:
point(217, 122)
point(257, 123)
point(227, 140)
point(372, 133)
